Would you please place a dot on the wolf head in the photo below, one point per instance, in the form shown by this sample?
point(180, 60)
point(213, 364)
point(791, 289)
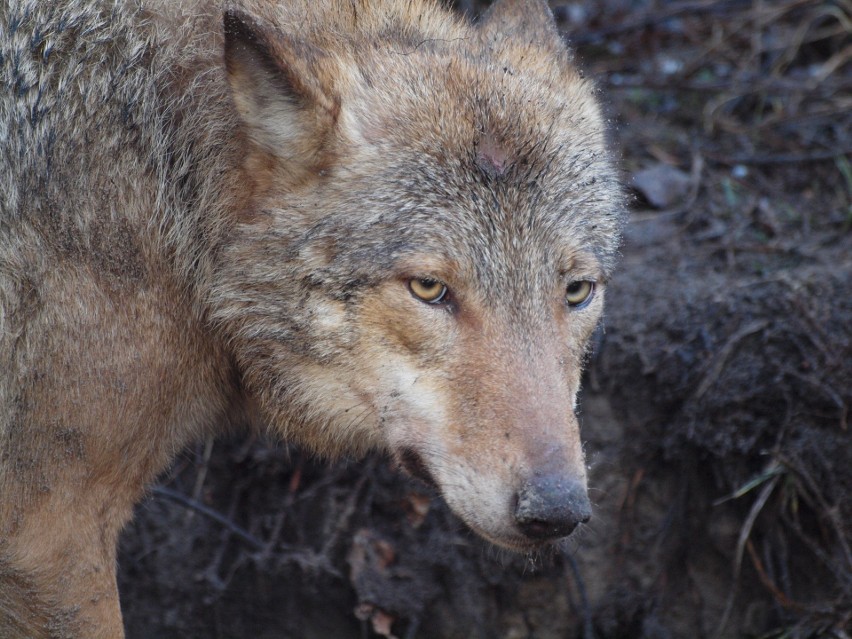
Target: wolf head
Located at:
point(430, 219)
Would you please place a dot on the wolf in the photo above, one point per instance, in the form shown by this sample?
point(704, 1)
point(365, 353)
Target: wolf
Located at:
point(356, 224)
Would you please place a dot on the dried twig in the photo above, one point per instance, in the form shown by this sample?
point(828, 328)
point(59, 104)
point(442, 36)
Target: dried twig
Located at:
point(783, 599)
point(780, 158)
point(650, 19)
point(745, 532)
point(823, 507)
point(586, 611)
point(725, 352)
point(219, 518)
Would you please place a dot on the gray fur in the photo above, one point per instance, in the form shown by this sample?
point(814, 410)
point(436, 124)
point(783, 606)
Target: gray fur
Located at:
point(169, 265)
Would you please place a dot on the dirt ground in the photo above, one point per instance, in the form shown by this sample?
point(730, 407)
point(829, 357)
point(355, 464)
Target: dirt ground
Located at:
point(715, 410)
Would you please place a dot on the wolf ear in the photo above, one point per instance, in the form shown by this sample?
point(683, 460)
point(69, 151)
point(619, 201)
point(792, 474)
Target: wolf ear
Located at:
point(277, 87)
point(527, 21)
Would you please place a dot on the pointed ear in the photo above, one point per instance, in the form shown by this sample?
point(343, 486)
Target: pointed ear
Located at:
point(279, 88)
point(524, 21)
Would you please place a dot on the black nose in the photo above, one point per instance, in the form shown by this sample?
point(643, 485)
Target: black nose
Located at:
point(551, 506)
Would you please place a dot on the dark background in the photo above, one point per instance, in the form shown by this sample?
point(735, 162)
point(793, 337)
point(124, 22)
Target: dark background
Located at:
point(715, 410)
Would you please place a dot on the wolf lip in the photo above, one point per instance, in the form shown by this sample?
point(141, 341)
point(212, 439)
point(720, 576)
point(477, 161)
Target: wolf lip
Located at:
point(413, 464)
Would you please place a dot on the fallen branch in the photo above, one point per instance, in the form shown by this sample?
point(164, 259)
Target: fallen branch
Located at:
point(220, 519)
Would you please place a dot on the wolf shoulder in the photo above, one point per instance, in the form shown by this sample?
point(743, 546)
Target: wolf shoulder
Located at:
point(91, 104)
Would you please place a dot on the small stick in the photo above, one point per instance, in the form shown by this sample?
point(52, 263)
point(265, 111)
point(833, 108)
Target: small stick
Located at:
point(220, 519)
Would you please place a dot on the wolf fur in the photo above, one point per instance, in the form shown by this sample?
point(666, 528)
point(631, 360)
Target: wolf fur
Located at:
point(211, 215)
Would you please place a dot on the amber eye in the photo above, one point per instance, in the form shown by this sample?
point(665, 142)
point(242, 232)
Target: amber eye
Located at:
point(427, 290)
point(579, 293)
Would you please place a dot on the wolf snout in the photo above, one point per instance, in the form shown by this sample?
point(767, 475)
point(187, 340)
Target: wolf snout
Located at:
point(551, 506)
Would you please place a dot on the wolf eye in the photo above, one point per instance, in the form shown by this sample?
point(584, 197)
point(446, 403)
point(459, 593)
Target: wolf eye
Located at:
point(427, 290)
point(579, 293)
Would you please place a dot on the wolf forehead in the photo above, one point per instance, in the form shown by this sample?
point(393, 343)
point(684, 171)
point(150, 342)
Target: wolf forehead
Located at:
point(454, 143)
point(485, 197)
point(439, 219)
point(479, 162)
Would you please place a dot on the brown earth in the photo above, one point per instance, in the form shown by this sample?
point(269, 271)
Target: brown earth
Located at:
point(716, 407)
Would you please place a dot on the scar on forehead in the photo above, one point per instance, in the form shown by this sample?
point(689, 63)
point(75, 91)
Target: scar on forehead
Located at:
point(491, 155)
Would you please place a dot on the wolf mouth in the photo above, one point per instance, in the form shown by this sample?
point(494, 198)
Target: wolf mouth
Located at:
point(413, 464)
